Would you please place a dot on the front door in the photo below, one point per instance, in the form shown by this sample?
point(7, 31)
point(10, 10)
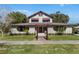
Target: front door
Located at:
point(42, 29)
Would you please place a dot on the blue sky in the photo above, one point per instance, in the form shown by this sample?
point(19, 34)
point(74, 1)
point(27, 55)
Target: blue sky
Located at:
point(69, 9)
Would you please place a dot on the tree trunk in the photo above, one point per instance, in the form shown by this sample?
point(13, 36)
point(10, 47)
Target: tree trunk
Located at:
point(1, 33)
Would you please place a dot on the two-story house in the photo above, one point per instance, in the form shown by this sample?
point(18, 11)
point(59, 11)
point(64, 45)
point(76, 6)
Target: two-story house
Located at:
point(41, 22)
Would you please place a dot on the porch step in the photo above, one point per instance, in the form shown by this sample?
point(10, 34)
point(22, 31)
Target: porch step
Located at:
point(41, 38)
point(41, 34)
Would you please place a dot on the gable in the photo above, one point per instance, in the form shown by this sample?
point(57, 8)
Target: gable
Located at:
point(40, 17)
point(40, 14)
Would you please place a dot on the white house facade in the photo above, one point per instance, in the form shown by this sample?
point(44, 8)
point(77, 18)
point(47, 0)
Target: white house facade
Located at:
point(41, 19)
point(41, 22)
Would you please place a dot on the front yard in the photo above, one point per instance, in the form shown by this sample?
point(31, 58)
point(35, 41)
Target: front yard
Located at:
point(41, 49)
point(32, 37)
point(63, 37)
point(17, 37)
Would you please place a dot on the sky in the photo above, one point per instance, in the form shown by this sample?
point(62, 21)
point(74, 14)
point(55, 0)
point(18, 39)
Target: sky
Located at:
point(72, 10)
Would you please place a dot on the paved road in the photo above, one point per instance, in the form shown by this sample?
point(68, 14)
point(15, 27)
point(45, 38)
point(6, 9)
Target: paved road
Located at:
point(39, 42)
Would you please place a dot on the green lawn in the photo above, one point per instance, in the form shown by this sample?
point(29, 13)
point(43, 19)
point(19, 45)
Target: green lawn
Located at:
point(31, 37)
point(63, 37)
point(17, 37)
point(40, 49)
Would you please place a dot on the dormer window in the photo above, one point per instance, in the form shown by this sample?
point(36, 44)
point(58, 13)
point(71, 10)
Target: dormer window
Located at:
point(46, 20)
point(34, 20)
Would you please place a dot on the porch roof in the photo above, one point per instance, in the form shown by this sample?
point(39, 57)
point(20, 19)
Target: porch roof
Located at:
point(43, 24)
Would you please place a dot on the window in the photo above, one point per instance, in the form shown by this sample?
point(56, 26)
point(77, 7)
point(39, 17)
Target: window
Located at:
point(46, 20)
point(34, 20)
point(40, 14)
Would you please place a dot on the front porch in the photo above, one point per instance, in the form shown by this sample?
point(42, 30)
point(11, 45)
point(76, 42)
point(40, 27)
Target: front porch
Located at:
point(42, 27)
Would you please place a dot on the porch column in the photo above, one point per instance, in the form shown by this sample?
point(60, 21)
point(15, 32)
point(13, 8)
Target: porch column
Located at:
point(47, 33)
point(42, 28)
point(37, 32)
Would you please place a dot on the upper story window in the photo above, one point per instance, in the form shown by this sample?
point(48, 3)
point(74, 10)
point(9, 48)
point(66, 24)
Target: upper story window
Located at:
point(34, 20)
point(40, 14)
point(46, 20)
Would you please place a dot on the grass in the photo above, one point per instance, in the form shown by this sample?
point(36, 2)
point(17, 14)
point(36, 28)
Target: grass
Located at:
point(31, 37)
point(41, 49)
point(63, 37)
point(17, 37)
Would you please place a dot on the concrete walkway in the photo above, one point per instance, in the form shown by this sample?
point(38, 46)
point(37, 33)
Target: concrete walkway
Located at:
point(41, 36)
point(39, 42)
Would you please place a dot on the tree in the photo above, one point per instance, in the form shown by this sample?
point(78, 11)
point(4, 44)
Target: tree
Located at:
point(7, 24)
point(1, 26)
point(18, 17)
point(13, 18)
point(4, 11)
point(59, 18)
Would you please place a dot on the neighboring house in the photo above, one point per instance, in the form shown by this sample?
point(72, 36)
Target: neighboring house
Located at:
point(41, 22)
point(77, 29)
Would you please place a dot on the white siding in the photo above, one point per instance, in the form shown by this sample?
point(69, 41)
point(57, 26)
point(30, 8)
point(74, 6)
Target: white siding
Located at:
point(40, 18)
point(51, 30)
point(68, 30)
point(31, 30)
